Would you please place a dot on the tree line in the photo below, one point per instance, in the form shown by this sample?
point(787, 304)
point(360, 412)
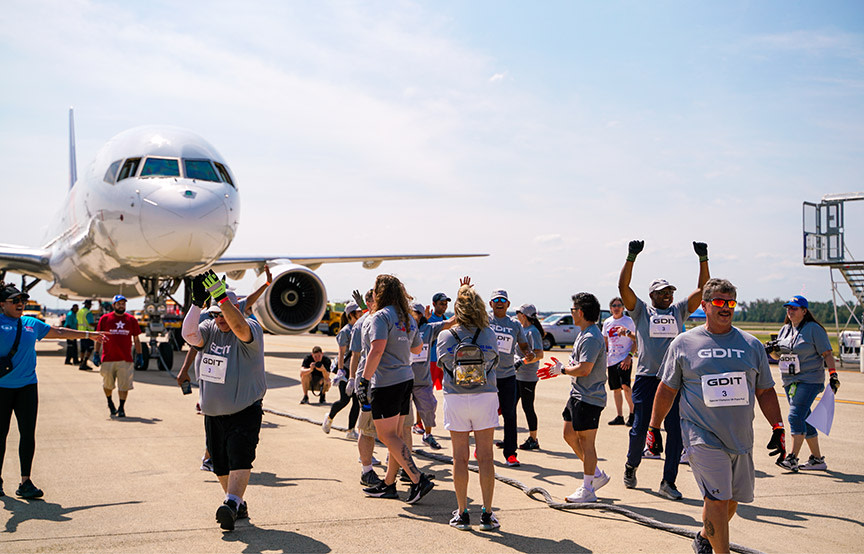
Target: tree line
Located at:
point(773, 311)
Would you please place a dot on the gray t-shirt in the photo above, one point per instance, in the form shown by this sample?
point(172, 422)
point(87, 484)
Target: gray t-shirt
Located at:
point(395, 364)
point(655, 333)
point(528, 372)
point(590, 347)
point(509, 335)
point(428, 333)
point(488, 343)
point(808, 342)
point(729, 368)
point(239, 365)
point(357, 342)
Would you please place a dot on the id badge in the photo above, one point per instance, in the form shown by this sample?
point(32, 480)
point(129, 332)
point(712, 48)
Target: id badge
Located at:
point(663, 327)
point(422, 356)
point(789, 364)
point(212, 368)
point(725, 389)
point(505, 343)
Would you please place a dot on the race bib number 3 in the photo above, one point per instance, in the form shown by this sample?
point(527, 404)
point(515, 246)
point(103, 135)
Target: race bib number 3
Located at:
point(212, 368)
point(725, 389)
point(788, 364)
point(505, 343)
point(663, 327)
point(422, 356)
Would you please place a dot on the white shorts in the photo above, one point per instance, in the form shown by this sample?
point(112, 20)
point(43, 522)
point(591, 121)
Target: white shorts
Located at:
point(721, 475)
point(470, 412)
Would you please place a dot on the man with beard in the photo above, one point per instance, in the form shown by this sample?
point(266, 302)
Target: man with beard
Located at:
point(116, 353)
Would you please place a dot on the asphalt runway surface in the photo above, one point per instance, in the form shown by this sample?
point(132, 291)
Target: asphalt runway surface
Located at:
point(134, 484)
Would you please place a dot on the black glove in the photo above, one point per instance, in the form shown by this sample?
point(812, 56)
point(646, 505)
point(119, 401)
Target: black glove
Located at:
point(772, 346)
point(199, 291)
point(834, 382)
point(777, 444)
point(654, 441)
point(634, 248)
point(362, 391)
point(701, 250)
point(358, 298)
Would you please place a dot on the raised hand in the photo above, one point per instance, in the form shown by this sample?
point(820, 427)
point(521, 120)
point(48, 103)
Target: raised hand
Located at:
point(634, 248)
point(701, 250)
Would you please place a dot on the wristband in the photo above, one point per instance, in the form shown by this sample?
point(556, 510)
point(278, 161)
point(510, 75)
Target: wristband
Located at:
point(631, 257)
point(223, 300)
point(703, 259)
point(832, 370)
point(778, 425)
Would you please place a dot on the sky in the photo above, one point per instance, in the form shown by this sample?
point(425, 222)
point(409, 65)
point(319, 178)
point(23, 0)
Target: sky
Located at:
point(547, 135)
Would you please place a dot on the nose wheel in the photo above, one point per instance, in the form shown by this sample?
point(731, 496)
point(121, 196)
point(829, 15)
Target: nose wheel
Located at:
point(157, 291)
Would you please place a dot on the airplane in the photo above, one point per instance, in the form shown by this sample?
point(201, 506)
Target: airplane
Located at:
point(158, 205)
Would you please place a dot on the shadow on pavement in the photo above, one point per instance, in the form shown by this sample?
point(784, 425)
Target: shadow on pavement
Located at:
point(25, 510)
point(787, 518)
point(258, 539)
point(269, 479)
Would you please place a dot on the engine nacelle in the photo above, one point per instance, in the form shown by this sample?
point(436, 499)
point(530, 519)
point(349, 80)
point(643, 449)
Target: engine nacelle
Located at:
point(293, 303)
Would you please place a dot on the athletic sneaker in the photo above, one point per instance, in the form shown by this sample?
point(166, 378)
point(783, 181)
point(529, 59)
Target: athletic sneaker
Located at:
point(669, 490)
point(382, 490)
point(418, 429)
point(206, 464)
point(28, 490)
point(701, 545)
point(111, 407)
point(403, 476)
point(530, 444)
point(305, 400)
point(375, 461)
point(630, 420)
point(790, 462)
point(121, 412)
point(488, 521)
point(581, 496)
point(433, 444)
point(814, 463)
point(243, 511)
point(421, 489)
point(648, 455)
point(512, 461)
point(629, 476)
point(352, 435)
point(226, 515)
point(370, 478)
point(461, 521)
point(619, 420)
point(600, 480)
point(326, 425)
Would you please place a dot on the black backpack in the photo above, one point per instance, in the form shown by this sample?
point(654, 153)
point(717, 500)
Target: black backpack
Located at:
point(469, 368)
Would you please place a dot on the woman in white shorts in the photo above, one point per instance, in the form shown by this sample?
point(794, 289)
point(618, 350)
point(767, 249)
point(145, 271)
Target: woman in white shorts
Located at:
point(470, 400)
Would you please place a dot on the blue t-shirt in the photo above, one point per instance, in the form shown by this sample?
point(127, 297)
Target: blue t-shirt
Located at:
point(434, 346)
point(24, 362)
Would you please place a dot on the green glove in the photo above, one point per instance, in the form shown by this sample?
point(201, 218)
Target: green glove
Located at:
point(215, 286)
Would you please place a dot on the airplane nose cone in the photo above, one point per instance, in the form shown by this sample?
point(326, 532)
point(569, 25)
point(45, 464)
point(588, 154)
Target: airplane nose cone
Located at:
point(186, 223)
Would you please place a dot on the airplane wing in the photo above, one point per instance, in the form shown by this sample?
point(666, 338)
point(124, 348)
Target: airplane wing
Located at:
point(30, 261)
point(239, 263)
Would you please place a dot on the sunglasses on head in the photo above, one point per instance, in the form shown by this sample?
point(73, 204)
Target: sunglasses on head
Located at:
point(499, 300)
point(720, 302)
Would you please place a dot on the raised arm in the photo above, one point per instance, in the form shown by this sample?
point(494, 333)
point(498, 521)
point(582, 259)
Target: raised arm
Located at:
point(627, 294)
point(695, 297)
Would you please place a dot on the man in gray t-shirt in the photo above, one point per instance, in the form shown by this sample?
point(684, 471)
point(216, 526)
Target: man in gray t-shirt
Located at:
point(231, 377)
point(721, 373)
point(656, 326)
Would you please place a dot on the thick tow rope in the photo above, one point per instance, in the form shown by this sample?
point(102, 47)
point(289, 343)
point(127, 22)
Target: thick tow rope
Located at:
point(542, 495)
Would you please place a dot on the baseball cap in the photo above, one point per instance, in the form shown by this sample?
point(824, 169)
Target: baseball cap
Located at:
point(418, 307)
point(118, 298)
point(351, 307)
point(499, 293)
point(215, 309)
point(798, 301)
point(439, 296)
point(11, 291)
point(527, 309)
point(660, 284)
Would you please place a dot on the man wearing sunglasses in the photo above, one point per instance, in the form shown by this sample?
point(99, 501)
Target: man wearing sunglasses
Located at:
point(509, 333)
point(656, 326)
point(721, 372)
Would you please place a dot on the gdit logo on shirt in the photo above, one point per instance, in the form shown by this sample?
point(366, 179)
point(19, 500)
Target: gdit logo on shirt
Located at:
point(220, 350)
point(718, 353)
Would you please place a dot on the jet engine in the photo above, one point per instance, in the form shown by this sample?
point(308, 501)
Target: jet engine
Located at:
point(293, 303)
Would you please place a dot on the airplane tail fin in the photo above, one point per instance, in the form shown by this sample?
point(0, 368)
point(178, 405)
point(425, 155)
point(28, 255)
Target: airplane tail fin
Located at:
point(73, 166)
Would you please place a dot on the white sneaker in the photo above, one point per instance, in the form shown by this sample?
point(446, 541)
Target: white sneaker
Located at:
point(600, 480)
point(814, 463)
point(352, 435)
point(648, 455)
point(581, 496)
point(326, 425)
point(375, 461)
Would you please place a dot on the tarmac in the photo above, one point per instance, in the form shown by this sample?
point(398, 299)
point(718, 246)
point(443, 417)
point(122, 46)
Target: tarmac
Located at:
point(134, 484)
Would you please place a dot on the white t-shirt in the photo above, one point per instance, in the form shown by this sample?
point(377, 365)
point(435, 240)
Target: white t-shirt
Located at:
point(618, 346)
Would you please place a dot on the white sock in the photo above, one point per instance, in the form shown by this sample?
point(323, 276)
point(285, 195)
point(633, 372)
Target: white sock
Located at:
point(367, 469)
point(237, 500)
point(588, 482)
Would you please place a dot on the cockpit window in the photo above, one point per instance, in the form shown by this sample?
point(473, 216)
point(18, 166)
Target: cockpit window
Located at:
point(112, 172)
point(201, 170)
point(130, 167)
point(223, 173)
point(160, 167)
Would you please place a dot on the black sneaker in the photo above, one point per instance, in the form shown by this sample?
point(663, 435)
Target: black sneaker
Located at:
point(488, 521)
point(629, 476)
point(28, 490)
point(111, 407)
point(383, 490)
point(530, 444)
point(243, 511)
point(701, 545)
point(405, 478)
point(370, 478)
point(421, 489)
point(619, 420)
point(461, 521)
point(226, 515)
point(121, 412)
point(305, 400)
point(630, 420)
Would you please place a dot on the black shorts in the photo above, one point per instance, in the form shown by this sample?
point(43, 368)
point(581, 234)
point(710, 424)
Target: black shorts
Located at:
point(584, 417)
point(86, 344)
point(232, 439)
point(618, 376)
point(392, 401)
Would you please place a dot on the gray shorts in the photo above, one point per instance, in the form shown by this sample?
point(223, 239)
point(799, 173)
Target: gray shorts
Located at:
point(426, 403)
point(721, 475)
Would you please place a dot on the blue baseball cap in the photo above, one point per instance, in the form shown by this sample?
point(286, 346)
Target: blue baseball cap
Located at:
point(798, 301)
point(440, 296)
point(118, 298)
